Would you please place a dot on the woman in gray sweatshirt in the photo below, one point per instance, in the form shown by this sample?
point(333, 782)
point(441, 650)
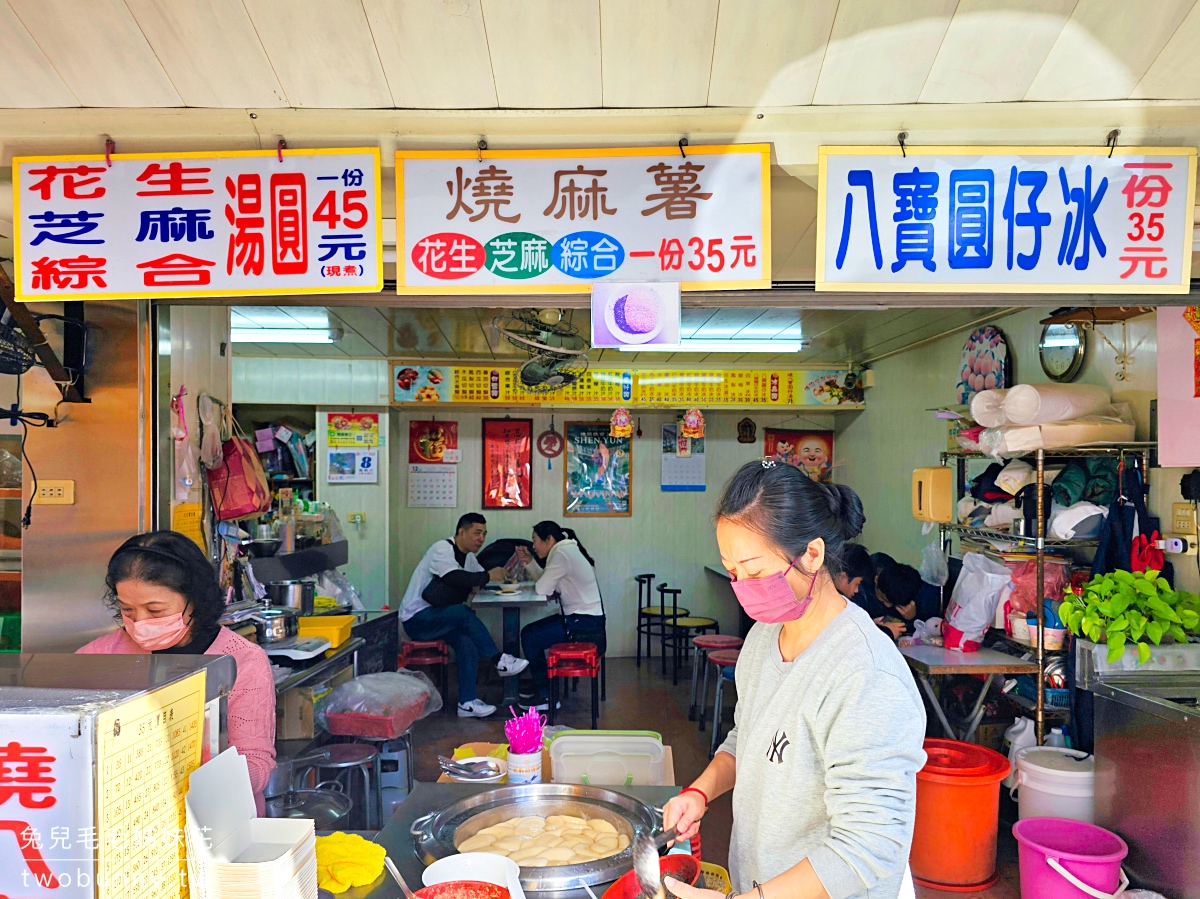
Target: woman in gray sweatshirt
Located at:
point(828, 729)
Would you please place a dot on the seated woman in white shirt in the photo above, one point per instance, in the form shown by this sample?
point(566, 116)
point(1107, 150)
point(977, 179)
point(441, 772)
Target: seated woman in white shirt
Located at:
point(569, 574)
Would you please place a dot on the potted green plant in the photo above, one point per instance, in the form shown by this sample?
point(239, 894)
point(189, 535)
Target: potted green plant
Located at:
point(1124, 607)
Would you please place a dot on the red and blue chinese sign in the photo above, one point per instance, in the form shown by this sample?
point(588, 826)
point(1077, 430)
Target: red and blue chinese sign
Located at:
point(240, 223)
point(555, 221)
point(1006, 219)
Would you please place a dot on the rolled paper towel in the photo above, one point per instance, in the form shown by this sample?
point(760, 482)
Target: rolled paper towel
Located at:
point(987, 408)
point(1037, 404)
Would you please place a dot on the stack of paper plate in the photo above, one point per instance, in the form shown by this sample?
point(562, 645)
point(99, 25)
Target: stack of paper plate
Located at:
point(232, 854)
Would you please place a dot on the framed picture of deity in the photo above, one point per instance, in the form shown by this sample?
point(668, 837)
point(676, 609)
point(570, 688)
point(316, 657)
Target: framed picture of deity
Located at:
point(508, 463)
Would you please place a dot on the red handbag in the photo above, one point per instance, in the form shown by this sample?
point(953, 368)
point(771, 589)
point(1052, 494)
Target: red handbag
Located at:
point(238, 485)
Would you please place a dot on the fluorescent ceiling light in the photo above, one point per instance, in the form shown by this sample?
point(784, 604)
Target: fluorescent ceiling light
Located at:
point(286, 335)
point(721, 346)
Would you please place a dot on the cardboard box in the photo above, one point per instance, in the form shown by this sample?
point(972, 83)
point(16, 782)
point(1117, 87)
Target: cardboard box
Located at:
point(294, 715)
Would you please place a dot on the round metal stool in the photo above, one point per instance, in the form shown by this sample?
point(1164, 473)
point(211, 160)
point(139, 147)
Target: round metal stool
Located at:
point(705, 644)
point(722, 658)
point(343, 758)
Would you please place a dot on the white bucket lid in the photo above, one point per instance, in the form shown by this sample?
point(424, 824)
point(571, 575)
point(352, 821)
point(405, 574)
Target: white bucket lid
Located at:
point(1059, 761)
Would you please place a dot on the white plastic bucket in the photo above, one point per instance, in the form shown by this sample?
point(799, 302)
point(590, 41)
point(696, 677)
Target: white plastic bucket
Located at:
point(1055, 782)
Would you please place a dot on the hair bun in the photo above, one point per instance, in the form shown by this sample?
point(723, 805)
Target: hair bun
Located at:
point(847, 507)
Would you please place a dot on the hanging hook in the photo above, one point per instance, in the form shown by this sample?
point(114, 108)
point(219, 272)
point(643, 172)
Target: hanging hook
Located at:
point(481, 146)
point(900, 139)
point(279, 148)
point(110, 147)
point(1111, 141)
point(683, 142)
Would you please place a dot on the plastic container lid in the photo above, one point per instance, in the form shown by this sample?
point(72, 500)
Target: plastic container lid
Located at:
point(955, 762)
point(1063, 762)
point(607, 759)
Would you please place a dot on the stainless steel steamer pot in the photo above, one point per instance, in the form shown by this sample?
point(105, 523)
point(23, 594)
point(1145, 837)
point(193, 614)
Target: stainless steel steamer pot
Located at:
point(438, 834)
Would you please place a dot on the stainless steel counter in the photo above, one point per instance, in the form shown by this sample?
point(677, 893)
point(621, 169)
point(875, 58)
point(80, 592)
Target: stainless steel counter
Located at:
point(427, 797)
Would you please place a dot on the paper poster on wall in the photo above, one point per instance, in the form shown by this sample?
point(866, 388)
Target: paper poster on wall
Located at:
point(508, 463)
point(353, 465)
point(433, 443)
point(682, 461)
point(1178, 386)
point(432, 486)
point(810, 451)
point(598, 476)
point(352, 428)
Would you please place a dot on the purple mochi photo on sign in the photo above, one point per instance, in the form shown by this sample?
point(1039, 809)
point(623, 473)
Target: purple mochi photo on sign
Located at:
point(635, 314)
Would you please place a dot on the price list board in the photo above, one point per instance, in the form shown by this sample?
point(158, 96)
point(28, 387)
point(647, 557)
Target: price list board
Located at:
point(712, 388)
point(146, 750)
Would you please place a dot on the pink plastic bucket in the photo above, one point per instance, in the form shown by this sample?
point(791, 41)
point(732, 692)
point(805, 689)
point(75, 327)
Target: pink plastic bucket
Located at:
point(1064, 859)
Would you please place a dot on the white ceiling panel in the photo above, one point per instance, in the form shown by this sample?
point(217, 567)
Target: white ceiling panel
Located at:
point(881, 51)
point(27, 79)
point(1105, 49)
point(657, 53)
point(322, 51)
point(1175, 72)
point(435, 54)
point(99, 51)
point(769, 52)
point(545, 53)
point(993, 50)
point(210, 51)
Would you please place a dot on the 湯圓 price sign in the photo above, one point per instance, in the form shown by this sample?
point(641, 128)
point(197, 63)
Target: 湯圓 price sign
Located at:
point(555, 221)
point(1006, 219)
point(240, 223)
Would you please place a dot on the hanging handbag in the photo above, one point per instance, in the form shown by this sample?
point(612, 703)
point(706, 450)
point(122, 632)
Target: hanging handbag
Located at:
point(238, 485)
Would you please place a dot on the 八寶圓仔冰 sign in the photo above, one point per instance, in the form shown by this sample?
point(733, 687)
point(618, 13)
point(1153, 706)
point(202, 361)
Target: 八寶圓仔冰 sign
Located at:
point(155, 225)
point(1006, 219)
point(555, 221)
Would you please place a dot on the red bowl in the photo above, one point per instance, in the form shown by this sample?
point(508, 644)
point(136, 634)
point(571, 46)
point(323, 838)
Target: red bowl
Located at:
point(462, 889)
point(682, 867)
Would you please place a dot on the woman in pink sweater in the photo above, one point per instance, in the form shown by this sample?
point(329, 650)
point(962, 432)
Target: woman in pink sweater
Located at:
point(168, 600)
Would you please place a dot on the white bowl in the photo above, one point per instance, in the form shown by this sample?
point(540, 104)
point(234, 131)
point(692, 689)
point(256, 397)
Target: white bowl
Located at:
point(476, 866)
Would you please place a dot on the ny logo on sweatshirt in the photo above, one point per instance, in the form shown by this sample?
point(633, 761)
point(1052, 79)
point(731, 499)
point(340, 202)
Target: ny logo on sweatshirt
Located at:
point(778, 745)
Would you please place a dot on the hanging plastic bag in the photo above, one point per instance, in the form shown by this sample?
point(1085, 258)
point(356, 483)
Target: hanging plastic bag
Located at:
point(211, 414)
point(973, 605)
point(10, 470)
point(187, 457)
point(934, 568)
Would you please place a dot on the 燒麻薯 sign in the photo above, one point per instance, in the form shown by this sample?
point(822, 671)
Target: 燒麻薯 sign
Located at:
point(241, 223)
point(556, 221)
point(1006, 219)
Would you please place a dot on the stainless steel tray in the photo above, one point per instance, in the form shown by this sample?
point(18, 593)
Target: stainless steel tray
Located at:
point(438, 834)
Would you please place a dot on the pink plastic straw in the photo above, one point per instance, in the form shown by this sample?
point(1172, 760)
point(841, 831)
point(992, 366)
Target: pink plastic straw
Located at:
point(524, 732)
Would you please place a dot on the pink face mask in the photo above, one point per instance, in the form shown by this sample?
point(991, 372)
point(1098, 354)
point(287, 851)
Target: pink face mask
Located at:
point(770, 599)
point(156, 633)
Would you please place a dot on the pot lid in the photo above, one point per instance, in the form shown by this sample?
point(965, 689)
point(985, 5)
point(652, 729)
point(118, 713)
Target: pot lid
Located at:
point(962, 762)
point(1059, 759)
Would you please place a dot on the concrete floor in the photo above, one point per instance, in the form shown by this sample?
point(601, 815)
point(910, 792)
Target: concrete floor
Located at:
point(642, 699)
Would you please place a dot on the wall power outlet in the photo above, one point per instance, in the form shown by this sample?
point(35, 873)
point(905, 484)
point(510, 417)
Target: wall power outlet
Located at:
point(55, 493)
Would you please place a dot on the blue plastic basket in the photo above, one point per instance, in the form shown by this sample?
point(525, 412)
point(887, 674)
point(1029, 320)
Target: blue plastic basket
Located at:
point(1057, 697)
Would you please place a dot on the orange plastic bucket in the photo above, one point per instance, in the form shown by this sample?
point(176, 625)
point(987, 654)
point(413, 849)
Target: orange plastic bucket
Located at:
point(958, 808)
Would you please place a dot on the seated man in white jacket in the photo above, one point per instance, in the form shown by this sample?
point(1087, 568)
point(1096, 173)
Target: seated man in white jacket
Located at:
point(435, 608)
point(570, 574)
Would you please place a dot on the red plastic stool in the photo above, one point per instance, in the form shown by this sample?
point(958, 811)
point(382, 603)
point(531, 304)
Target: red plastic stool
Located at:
point(428, 654)
point(705, 644)
point(574, 660)
point(722, 658)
